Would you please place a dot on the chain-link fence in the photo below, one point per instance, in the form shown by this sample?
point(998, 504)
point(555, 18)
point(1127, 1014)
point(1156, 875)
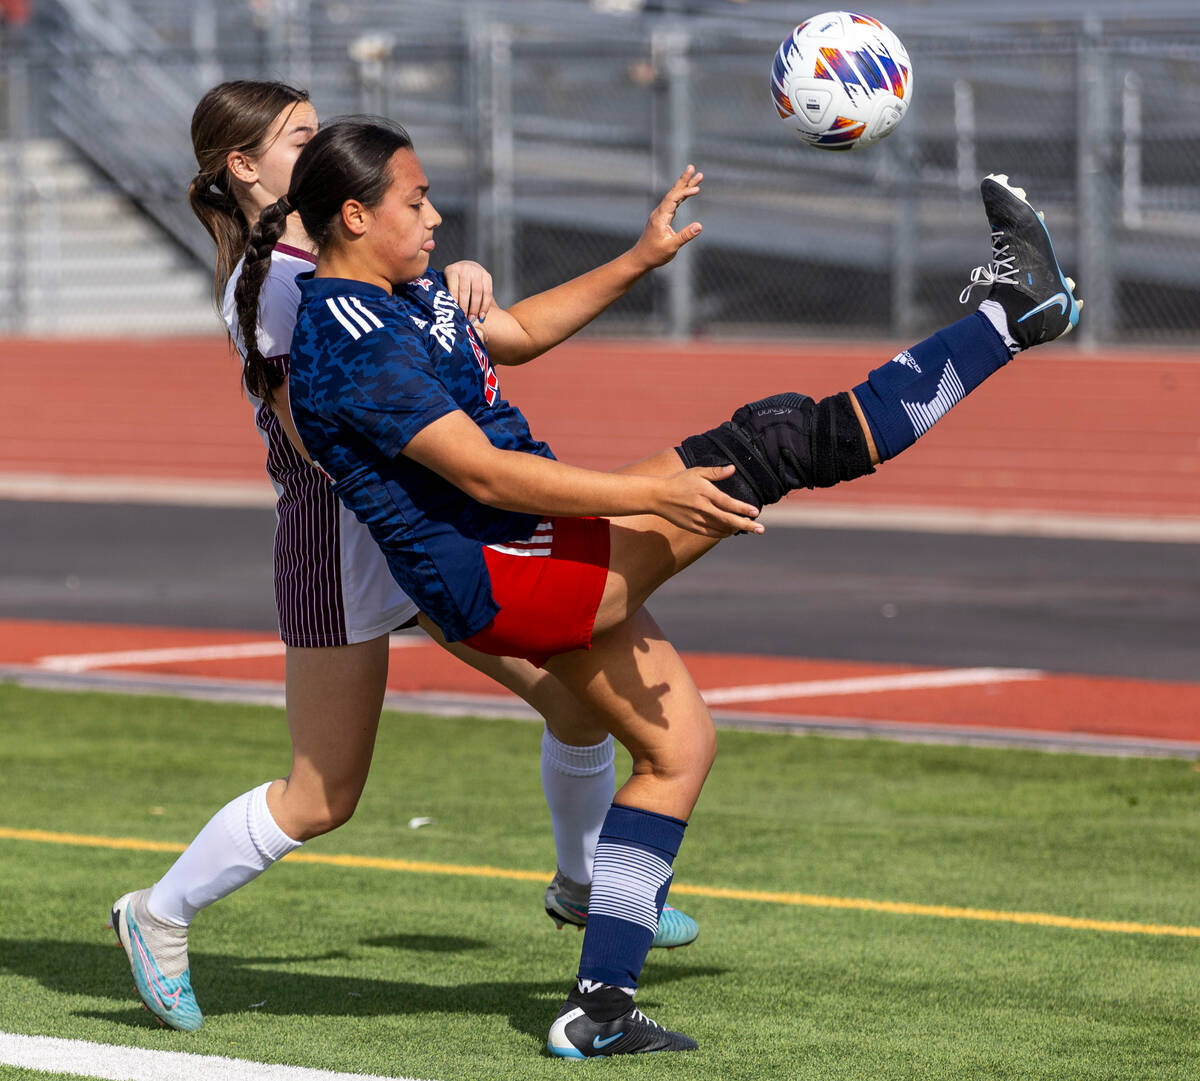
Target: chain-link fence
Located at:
point(549, 128)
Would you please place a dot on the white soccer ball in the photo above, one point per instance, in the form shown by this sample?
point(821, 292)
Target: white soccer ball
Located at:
point(841, 81)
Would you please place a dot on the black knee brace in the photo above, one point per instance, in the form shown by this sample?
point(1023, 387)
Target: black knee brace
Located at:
point(781, 443)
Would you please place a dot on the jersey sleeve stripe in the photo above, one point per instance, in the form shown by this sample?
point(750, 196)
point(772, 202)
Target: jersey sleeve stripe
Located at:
point(349, 310)
point(350, 328)
point(367, 312)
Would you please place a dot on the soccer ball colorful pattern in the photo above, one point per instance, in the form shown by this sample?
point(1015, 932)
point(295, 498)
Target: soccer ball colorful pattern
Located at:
point(841, 81)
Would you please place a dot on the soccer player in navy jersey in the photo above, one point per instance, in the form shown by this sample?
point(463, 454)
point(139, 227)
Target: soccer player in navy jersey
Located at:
point(512, 552)
point(336, 601)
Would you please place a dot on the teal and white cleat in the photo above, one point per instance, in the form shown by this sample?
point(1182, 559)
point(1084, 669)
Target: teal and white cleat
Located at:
point(675, 928)
point(157, 953)
point(567, 902)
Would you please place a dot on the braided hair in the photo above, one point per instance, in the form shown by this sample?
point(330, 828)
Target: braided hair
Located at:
point(347, 159)
point(233, 116)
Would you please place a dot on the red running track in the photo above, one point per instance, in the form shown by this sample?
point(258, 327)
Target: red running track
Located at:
point(1058, 431)
point(1110, 433)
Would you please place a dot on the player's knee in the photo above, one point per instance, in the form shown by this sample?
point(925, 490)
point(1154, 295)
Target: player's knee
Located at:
point(313, 812)
point(784, 442)
point(682, 762)
point(338, 809)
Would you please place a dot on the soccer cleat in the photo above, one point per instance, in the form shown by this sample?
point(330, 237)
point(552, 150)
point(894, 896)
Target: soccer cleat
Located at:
point(567, 902)
point(575, 1035)
point(675, 928)
point(1025, 278)
point(157, 953)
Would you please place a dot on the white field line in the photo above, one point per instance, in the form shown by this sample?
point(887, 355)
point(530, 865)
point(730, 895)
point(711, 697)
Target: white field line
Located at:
point(763, 692)
point(89, 1060)
point(86, 662)
point(909, 681)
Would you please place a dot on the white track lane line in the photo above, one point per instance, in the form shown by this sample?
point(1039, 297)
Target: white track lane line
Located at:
point(908, 681)
point(86, 662)
point(90, 1060)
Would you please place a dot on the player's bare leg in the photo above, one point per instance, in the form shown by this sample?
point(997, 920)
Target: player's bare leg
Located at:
point(577, 778)
point(334, 698)
point(634, 680)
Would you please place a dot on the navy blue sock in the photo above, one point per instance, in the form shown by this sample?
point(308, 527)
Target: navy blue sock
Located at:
point(630, 879)
point(904, 398)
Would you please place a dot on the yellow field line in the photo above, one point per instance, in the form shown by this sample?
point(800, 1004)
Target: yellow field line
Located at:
point(678, 889)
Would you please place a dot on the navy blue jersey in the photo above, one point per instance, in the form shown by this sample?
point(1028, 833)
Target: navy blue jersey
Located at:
point(369, 370)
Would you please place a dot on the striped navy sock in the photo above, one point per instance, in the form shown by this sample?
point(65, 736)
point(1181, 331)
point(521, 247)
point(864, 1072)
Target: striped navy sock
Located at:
point(629, 887)
point(903, 399)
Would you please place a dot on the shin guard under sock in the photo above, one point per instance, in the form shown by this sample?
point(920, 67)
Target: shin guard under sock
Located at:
point(908, 395)
point(630, 880)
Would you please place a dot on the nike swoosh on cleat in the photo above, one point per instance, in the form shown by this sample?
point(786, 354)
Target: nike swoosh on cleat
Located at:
point(600, 1044)
point(1059, 298)
point(168, 1001)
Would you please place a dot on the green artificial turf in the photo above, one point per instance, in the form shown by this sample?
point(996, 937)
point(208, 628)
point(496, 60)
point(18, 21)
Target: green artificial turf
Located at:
point(453, 977)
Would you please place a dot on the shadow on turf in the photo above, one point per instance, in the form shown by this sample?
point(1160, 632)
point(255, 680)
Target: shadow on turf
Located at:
point(228, 985)
point(426, 943)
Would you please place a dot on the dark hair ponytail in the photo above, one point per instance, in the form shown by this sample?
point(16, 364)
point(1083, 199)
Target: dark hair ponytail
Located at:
point(347, 159)
point(260, 378)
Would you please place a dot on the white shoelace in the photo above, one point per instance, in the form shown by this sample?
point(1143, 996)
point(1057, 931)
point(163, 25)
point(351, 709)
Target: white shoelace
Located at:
point(1000, 269)
point(639, 1016)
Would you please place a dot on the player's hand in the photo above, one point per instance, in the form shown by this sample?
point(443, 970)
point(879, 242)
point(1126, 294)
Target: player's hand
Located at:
point(692, 501)
point(659, 241)
point(471, 285)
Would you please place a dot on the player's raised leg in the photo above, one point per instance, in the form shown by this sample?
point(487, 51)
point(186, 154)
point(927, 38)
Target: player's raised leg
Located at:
point(789, 441)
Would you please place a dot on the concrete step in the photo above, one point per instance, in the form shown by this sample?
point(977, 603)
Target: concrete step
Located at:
point(97, 241)
point(90, 262)
point(40, 155)
point(96, 261)
point(153, 320)
point(54, 182)
point(129, 292)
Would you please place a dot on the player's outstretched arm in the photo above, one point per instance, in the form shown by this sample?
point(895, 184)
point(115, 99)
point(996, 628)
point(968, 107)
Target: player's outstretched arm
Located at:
point(455, 448)
point(531, 326)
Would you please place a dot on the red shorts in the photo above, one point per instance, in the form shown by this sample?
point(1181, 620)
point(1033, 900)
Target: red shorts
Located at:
point(548, 588)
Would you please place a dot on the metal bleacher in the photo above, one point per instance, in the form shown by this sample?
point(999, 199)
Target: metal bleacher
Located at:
point(549, 127)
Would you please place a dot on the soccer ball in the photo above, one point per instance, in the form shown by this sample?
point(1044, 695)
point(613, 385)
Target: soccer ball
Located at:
point(841, 81)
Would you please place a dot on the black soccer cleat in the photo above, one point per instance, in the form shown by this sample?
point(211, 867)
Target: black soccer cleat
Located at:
point(575, 1035)
point(1024, 275)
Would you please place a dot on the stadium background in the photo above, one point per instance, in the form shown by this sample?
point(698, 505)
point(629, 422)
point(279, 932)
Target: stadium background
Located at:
point(550, 126)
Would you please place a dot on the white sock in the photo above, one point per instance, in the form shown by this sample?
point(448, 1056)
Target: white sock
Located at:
point(238, 843)
point(578, 783)
point(994, 311)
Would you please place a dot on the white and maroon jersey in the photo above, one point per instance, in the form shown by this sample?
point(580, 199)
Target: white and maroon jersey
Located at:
point(332, 584)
